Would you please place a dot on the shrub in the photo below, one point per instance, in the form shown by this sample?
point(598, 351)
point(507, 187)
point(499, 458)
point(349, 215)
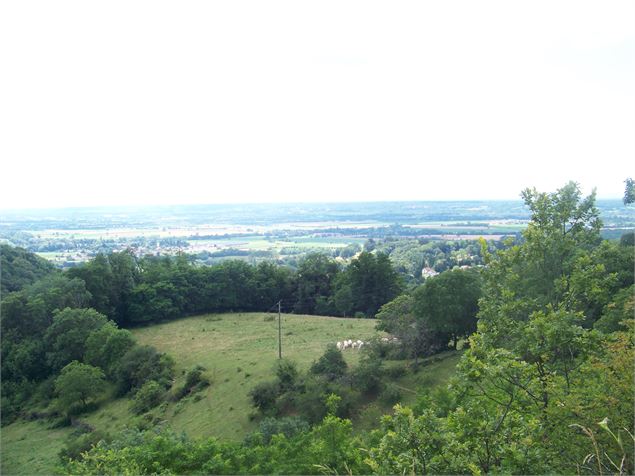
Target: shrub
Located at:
point(288, 426)
point(331, 365)
point(143, 363)
point(390, 395)
point(264, 395)
point(367, 375)
point(147, 397)
point(287, 373)
point(396, 371)
point(194, 381)
point(76, 445)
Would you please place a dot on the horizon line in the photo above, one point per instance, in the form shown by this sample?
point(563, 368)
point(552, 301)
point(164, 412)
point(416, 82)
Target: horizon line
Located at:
point(273, 203)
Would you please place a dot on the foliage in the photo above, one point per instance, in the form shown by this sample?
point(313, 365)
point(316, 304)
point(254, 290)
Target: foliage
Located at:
point(110, 280)
point(264, 395)
point(194, 381)
point(147, 397)
point(367, 375)
point(287, 374)
point(78, 444)
point(371, 281)
point(329, 447)
point(629, 191)
point(67, 336)
point(618, 312)
point(105, 347)
point(77, 384)
point(331, 364)
point(287, 426)
point(447, 304)
point(20, 268)
point(316, 275)
point(143, 363)
point(413, 334)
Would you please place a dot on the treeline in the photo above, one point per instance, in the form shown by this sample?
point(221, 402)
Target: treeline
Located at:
point(132, 291)
point(50, 322)
point(20, 268)
point(55, 347)
point(545, 386)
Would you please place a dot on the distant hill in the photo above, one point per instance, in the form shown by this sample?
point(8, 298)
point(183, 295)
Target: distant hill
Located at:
point(20, 268)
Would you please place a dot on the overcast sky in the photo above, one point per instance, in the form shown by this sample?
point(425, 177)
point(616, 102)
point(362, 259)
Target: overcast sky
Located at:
point(130, 102)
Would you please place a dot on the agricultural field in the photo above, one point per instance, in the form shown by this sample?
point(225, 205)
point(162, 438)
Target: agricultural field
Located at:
point(254, 232)
point(238, 351)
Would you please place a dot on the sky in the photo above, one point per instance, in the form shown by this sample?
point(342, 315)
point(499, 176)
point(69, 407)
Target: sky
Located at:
point(155, 102)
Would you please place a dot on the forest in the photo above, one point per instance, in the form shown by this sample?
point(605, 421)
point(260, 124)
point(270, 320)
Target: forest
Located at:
point(544, 383)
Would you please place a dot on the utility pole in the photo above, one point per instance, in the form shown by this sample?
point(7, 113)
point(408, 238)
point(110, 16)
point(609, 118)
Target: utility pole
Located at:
point(279, 331)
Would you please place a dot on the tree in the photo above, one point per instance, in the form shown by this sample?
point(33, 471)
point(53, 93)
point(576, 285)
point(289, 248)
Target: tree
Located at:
point(448, 303)
point(398, 318)
point(21, 268)
point(77, 384)
point(66, 337)
point(629, 191)
point(537, 274)
point(316, 275)
point(372, 281)
point(105, 347)
point(140, 364)
point(531, 350)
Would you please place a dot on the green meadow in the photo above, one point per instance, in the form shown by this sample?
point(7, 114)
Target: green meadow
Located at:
point(237, 351)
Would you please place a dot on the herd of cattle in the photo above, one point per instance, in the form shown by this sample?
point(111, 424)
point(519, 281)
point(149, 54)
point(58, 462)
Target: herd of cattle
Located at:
point(358, 344)
point(350, 344)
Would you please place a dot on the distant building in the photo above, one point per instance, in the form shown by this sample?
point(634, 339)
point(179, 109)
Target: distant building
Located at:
point(428, 272)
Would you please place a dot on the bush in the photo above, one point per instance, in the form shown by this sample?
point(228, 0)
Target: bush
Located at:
point(331, 365)
point(288, 426)
point(147, 397)
point(141, 364)
point(77, 445)
point(287, 373)
point(396, 371)
point(367, 375)
point(311, 404)
point(194, 381)
point(264, 395)
point(390, 395)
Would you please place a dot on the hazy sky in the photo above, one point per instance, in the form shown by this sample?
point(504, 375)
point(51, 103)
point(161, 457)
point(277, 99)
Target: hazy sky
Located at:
point(130, 102)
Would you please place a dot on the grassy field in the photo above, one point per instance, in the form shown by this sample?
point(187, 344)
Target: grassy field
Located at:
point(31, 447)
point(238, 351)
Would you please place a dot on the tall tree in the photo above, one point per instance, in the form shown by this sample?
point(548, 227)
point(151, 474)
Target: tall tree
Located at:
point(373, 282)
point(316, 275)
point(448, 303)
point(66, 337)
point(629, 191)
